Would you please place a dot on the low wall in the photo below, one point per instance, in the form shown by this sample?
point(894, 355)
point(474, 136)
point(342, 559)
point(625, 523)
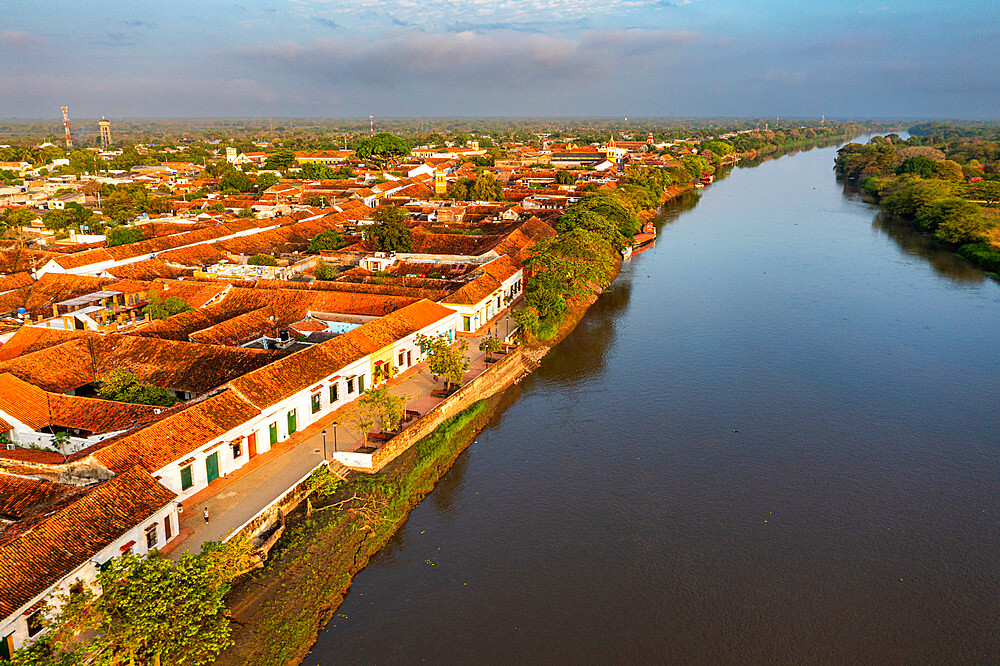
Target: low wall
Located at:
point(271, 514)
point(494, 379)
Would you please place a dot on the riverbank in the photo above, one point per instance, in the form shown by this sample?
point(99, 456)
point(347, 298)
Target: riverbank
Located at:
point(278, 610)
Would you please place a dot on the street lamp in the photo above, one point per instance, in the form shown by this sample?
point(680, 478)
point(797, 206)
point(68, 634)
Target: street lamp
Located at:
point(335, 437)
point(324, 445)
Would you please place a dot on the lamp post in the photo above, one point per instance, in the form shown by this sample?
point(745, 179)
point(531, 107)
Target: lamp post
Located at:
point(335, 437)
point(324, 445)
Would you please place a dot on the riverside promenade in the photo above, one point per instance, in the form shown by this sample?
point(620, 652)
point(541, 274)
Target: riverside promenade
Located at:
point(235, 499)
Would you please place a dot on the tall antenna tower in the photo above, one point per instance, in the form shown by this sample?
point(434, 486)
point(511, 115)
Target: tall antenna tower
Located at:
point(69, 139)
point(371, 123)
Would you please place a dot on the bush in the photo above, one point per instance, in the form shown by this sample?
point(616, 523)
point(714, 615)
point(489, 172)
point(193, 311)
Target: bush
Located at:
point(984, 255)
point(123, 236)
point(124, 386)
point(262, 260)
point(325, 271)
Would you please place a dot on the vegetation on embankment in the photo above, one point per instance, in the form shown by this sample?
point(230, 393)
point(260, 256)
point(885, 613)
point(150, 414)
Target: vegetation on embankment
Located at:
point(278, 611)
point(946, 182)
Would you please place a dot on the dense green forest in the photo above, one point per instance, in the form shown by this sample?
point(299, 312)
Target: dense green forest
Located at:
point(945, 179)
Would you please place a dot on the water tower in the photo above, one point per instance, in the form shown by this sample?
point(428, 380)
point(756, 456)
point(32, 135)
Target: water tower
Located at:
point(105, 133)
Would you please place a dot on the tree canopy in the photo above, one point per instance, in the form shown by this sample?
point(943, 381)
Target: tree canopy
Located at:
point(387, 233)
point(382, 147)
point(168, 307)
point(123, 385)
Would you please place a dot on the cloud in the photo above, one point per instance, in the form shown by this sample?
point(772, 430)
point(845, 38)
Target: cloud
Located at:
point(326, 23)
point(140, 24)
point(467, 60)
point(18, 39)
point(437, 14)
point(114, 39)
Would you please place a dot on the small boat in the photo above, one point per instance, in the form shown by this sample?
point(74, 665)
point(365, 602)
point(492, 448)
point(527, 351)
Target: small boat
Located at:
point(626, 253)
point(647, 235)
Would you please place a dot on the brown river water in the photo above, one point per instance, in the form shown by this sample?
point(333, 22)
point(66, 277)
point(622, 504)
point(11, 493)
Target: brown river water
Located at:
point(774, 439)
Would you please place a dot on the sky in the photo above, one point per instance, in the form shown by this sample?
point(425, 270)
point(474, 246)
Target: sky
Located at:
point(462, 58)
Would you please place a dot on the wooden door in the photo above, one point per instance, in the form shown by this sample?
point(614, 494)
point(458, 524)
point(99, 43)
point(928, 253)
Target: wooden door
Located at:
point(212, 466)
point(252, 444)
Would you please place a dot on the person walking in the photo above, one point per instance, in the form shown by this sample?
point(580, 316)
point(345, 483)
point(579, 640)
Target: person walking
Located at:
point(206, 515)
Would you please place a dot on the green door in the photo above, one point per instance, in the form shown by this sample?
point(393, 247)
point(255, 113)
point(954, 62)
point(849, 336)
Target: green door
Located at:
point(273, 429)
point(7, 646)
point(291, 422)
point(212, 466)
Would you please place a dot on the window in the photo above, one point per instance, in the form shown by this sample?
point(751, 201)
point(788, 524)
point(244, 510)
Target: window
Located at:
point(316, 402)
point(186, 478)
point(168, 529)
point(466, 323)
point(273, 431)
point(333, 392)
point(35, 622)
point(350, 386)
point(237, 448)
point(361, 383)
point(409, 358)
point(402, 357)
point(151, 536)
point(76, 589)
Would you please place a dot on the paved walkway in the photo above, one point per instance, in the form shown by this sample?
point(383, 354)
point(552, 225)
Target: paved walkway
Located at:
point(238, 497)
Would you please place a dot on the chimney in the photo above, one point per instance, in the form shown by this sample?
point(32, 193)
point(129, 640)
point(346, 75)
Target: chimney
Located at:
point(55, 310)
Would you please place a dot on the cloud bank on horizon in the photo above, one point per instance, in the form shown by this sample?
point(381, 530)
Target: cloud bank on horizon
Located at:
point(349, 58)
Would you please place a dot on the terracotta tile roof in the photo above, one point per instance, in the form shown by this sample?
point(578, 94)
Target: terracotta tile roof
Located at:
point(474, 292)
point(176, 365)
point(30, 339)
point(238, 330)
point(15, 281)
point(150, 269)
point(501, 268)
point(183, 431)
point(271, 384)
point(39, 409)
point(22, 497)
point(24, 402)
point(50, 288)
point(54, 547)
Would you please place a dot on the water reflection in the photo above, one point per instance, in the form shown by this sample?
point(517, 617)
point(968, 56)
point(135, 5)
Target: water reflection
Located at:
point(944, 262)
point(587, 346)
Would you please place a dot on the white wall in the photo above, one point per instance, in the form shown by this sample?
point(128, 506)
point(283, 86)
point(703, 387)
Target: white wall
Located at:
point(17, 622)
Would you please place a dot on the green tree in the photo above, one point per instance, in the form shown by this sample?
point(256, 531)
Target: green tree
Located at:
point(921, 166)
point(324, 271)
point(445, 359)
point(262, 260)
point(123, 236)
point(387, 232)
point(326, 241)
point(233, 180)
point(122, 385)
point(120, 207)
point(56, 220)
point(161, 309)
point(280, 160)
point(151, 611)
point(266, 181)
point(490, 345)
point(382, 148)
point(247, 213)
point(564, 177)
point(385, 409)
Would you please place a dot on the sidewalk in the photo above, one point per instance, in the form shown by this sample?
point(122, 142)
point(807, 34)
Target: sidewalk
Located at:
point(238, 497)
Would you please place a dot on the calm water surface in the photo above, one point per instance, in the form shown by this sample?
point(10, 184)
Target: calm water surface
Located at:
point(774, 439)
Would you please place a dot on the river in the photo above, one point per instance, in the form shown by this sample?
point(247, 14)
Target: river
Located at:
point(775, 438)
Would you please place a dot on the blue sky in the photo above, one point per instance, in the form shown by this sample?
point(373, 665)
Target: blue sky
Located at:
point(640, 58)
